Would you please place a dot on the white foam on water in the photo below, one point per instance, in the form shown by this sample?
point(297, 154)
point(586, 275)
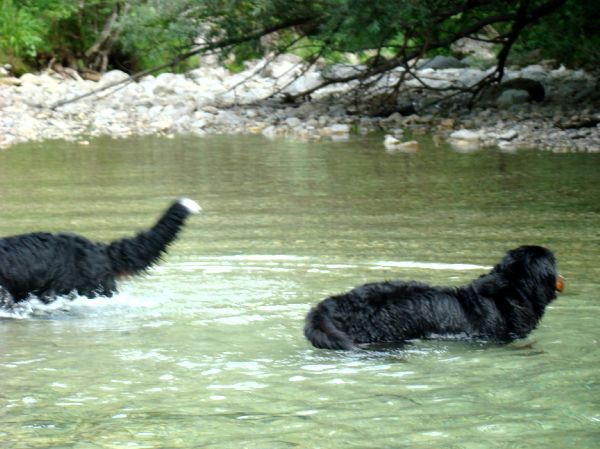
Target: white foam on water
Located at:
point(429, 265)
point(287, 262)
point(238, 320)
point(33, 308)
point(263, 257)
point(240, 386)
point(154, 296)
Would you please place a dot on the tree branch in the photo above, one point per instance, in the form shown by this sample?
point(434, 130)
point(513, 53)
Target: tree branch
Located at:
point(519, 19)
point(182, 57)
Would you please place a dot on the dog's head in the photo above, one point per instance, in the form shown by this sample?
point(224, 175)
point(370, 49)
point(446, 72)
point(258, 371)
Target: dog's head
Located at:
point(532, 271)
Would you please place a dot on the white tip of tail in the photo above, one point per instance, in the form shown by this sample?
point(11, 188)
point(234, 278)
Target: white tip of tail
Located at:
point(190, 205)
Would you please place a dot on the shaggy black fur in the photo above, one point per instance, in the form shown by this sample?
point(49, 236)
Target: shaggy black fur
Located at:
point(503, 305)
point(49, 265)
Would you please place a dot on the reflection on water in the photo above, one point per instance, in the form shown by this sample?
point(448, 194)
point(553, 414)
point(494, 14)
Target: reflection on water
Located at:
point(207, 350)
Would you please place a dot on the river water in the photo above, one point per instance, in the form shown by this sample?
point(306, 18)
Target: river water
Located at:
point(207, 351)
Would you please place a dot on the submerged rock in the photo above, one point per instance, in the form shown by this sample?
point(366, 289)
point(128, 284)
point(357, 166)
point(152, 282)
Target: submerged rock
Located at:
point(392, 143)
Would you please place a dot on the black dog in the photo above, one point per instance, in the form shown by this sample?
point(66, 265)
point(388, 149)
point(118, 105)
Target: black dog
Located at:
point(49, 265)
point(503, 305)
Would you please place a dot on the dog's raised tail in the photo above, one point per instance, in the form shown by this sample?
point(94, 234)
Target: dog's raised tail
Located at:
point(322, 332)
point(132, 255)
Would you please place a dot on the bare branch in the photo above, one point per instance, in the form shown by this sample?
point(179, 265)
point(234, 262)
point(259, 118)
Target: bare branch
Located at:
point(104, 35)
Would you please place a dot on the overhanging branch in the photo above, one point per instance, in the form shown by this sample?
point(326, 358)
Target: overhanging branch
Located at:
point(524, 15)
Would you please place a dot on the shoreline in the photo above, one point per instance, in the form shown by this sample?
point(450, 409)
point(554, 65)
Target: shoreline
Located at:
point(211, 100)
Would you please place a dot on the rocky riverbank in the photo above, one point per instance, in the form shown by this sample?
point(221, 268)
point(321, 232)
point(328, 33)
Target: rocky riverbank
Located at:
point(212, 100)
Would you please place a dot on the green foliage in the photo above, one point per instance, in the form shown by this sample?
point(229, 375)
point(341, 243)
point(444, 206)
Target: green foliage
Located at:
point(21, 32)
point(41, 29)
point(149, 33)
point(243, 52)
point(570, 35)
point(153, 33)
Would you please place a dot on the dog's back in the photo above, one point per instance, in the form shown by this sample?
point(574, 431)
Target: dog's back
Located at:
point(31, 264)
point(49, 265)
point(379, 312)
point(502, 305)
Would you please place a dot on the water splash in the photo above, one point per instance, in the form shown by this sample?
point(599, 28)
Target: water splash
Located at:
point(34, 308)
point(73, 305)
point(429, 265)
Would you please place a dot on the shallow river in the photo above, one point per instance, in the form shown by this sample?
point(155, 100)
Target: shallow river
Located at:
point(207, 351)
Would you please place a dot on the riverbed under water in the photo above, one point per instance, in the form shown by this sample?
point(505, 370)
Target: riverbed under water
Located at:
point(207, 350)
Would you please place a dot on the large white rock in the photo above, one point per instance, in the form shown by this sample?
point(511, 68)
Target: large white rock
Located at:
point(30, 78)
point(465, 134)
point(470, 77)
point(292, 122)
point(113, 76)
point(339, 129)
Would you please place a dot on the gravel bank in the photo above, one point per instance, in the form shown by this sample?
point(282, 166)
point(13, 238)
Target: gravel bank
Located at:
point(214, 101)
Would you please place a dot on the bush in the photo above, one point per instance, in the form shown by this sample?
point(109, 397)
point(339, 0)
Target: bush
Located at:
point(570, 35)
point(21, 32)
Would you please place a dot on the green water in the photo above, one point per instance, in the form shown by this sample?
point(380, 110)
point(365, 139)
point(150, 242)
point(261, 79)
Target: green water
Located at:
point(207, 350)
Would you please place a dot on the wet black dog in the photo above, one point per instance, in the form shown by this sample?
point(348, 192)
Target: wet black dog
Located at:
point(49, 265)
point(503, 305)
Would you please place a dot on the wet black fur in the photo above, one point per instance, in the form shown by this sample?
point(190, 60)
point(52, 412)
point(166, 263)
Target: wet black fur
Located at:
point(49, 265)
point(503, 305)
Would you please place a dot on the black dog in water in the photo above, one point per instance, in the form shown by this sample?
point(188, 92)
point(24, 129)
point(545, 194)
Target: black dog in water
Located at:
point(503, 305)
point(49, 265)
